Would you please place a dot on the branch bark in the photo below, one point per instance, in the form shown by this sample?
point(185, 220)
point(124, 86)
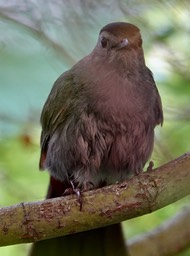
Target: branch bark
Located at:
point(142, 194)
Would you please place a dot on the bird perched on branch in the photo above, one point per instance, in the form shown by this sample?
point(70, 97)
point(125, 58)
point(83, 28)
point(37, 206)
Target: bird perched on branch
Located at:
point(98, 121)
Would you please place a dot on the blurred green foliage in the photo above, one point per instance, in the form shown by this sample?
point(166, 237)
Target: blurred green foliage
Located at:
point(29, 66)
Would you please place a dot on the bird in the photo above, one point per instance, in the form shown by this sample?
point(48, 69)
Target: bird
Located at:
point(98, 121)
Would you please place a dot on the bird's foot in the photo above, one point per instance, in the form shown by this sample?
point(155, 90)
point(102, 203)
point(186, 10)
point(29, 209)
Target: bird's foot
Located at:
point(77, 191)
point(150, 166)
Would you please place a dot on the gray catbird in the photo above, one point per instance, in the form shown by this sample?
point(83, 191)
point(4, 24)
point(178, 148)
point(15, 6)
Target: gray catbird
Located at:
point(98, 124)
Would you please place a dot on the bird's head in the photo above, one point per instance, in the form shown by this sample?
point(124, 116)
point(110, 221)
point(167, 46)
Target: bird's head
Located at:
point(119, 39)
point(120, 35)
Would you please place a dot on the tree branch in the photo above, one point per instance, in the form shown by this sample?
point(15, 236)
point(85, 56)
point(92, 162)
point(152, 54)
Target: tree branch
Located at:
point(39, 33)
point(147, 192)
point(170, 238)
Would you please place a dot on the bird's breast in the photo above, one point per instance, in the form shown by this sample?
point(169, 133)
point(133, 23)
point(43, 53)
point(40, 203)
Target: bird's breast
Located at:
point(119, 101)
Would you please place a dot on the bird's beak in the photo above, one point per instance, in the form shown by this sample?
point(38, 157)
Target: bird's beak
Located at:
point(122, 44)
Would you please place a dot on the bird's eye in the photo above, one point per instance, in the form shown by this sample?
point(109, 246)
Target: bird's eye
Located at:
point(104, 42)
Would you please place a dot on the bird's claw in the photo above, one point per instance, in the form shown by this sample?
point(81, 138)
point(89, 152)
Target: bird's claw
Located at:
point(150, 166)
point(77, 191)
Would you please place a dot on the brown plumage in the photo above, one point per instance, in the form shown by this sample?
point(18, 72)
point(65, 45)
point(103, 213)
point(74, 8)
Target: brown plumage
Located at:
point(98, 121)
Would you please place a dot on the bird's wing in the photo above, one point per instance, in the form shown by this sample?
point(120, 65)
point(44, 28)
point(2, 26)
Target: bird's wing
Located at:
point(159, 118)
point(158, 110)
point(55, 111)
